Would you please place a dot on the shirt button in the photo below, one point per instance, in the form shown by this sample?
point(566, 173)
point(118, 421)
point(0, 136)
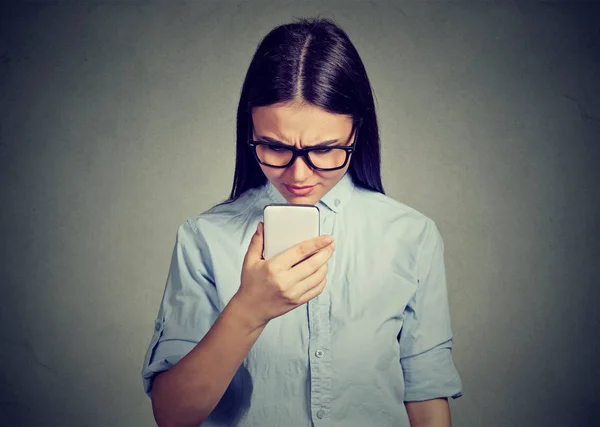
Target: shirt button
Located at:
point(337, 202)
point(157, 326)
point(320, 414)
point(319, 353)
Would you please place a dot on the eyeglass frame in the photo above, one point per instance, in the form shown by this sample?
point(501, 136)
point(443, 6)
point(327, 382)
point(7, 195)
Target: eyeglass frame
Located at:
point(303, 152)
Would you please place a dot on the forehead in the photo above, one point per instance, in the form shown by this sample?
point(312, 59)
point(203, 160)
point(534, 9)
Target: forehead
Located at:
point(295, 119)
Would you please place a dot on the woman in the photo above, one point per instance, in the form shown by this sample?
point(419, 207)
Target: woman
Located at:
point(359, 333)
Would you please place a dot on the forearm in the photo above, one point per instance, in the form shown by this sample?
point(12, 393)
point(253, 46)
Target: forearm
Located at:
point(429, 413)
point(186, 394)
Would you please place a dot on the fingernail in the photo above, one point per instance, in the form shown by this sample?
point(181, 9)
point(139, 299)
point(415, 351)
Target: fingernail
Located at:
point(327, 240)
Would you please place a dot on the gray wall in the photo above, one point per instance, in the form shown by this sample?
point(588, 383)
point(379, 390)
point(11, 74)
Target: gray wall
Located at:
point(117, 124)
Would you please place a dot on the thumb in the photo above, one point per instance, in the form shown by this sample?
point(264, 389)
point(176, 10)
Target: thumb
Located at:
point(255, 249)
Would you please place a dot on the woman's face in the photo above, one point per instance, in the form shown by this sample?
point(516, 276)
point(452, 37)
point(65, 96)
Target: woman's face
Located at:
point(301, 125)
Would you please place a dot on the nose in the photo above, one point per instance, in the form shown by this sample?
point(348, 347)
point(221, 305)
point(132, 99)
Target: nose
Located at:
point(300, 170)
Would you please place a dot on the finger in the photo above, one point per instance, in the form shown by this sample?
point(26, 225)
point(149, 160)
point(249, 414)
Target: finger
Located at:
point(302, 250)
point(310, 265)
point(255, 249)
point(303, 286)
point(312, 292)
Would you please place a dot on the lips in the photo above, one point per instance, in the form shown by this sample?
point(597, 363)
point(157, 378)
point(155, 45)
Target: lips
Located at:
point(299, 191)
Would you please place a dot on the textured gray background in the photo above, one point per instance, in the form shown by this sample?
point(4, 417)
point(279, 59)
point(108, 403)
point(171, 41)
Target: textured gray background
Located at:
point(117, 124)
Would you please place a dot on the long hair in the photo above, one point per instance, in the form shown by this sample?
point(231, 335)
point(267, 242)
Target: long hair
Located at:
point(311, 61)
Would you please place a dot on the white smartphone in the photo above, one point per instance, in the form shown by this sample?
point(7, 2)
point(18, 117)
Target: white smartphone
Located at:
point(287, 225)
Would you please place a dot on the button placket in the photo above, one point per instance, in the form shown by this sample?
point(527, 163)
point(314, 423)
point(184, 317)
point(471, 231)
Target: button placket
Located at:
point(320, 339)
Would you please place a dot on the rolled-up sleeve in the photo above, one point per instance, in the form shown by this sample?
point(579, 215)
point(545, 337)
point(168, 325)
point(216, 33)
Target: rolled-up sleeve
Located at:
point(189, 306)
point(426, 335)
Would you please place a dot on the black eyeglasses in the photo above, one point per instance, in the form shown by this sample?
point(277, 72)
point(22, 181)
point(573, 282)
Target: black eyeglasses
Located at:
point(321, 158)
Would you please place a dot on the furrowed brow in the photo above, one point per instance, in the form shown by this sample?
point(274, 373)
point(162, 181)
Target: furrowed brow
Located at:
point(319, 145)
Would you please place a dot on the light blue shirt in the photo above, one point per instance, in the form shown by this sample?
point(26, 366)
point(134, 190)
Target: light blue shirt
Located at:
point(378, 335)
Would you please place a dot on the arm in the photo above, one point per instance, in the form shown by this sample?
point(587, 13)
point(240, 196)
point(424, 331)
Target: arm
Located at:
point(187, 389)
point(429, 413)
point(426, 340)
point(186, 394)
point(196, 348)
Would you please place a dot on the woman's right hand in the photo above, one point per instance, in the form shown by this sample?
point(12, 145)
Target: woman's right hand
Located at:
point(270, 288)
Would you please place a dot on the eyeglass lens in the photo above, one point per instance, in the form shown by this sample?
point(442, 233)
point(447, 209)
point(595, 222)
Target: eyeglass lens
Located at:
point(280, 156)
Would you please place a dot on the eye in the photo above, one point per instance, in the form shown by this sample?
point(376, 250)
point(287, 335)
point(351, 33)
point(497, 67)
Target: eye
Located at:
point(322, 151)
point(276, 149)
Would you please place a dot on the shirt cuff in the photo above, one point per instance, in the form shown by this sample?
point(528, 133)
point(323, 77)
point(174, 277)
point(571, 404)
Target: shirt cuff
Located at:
point(166, 354)
point(431, 375)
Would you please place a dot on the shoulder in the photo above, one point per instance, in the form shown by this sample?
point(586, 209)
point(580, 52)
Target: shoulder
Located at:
point(227, 218)
point(396, 217)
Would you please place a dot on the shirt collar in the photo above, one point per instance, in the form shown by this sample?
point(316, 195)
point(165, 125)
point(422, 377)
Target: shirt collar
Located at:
point(334, 199)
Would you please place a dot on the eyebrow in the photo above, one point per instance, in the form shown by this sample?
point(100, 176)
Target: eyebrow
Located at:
point(320, 144)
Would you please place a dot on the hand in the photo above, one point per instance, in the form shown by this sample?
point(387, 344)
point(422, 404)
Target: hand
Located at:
point(272, 288)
